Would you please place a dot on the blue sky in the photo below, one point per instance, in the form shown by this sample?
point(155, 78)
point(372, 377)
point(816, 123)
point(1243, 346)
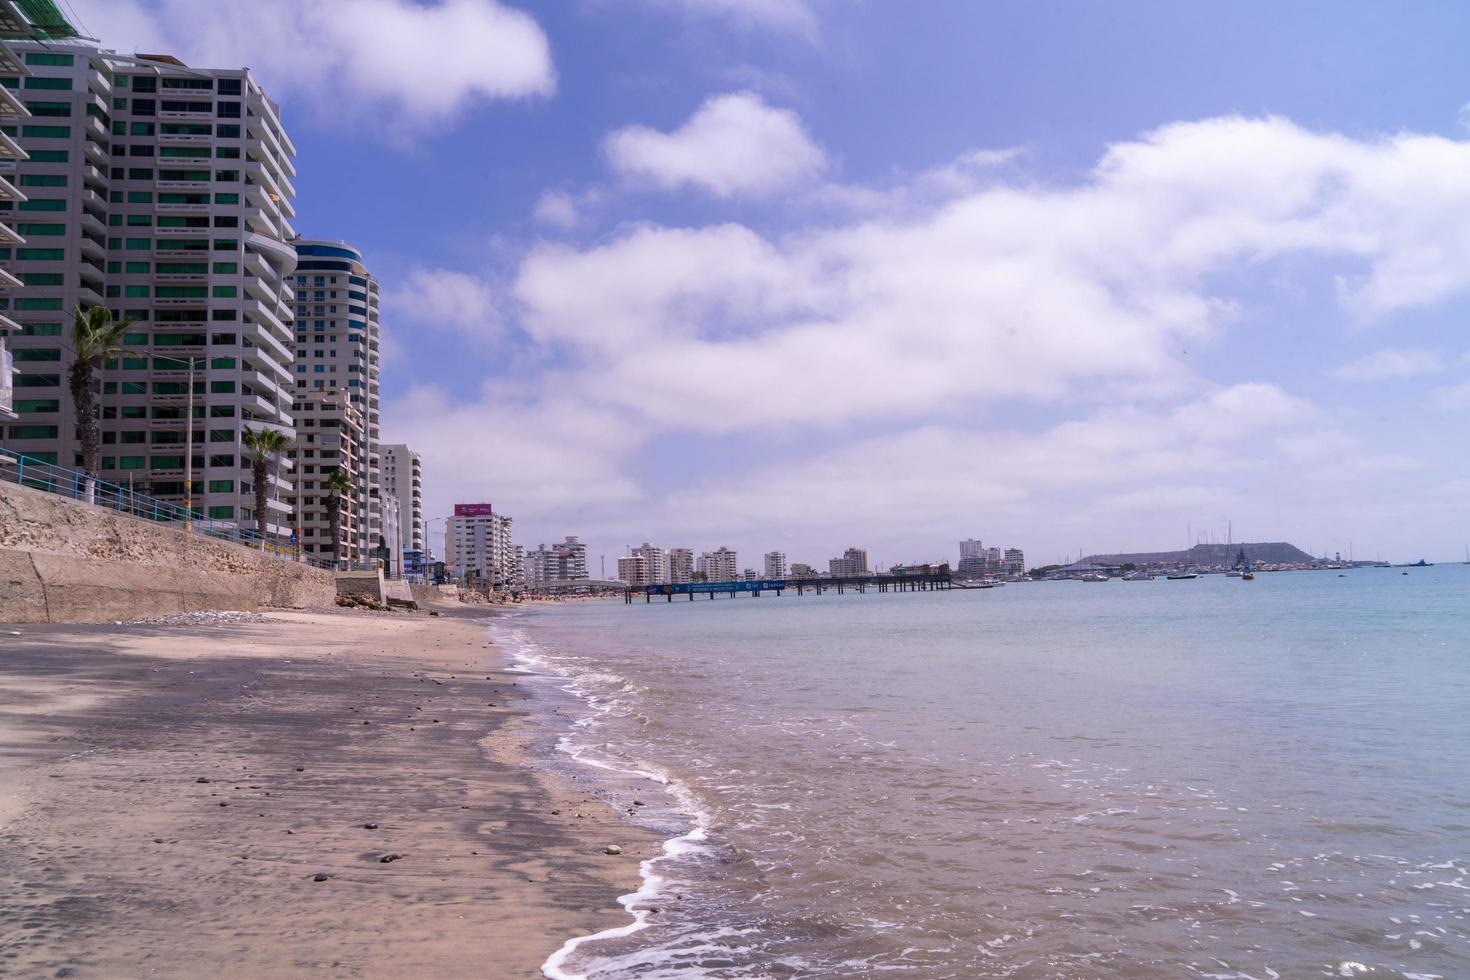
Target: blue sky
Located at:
point(802, 274)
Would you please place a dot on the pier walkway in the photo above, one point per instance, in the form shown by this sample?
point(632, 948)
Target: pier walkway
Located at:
point(918, 582)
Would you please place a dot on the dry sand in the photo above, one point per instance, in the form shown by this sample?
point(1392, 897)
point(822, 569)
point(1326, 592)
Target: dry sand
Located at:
point(118, 860)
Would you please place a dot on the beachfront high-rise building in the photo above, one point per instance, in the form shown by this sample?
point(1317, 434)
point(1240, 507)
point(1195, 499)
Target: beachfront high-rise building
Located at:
point(775, 564)
point(681, 565)
point(971, 548)
point(633, 569)
point(336, 350)
point(658, 563)
point(854, 561)
point(565, 562)
point(402, 474)
point(720, 565)
point(163, 192)
point(477, 547)
point(1015, 562)
point(12, 109)
point(331, 438)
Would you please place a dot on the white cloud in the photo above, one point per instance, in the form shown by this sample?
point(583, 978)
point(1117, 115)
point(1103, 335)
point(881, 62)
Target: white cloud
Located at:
point(734, 145)
point(419, 63)
point(788, 16)
point(1454, 397)
point(1002, 288)
point(566, 210)
point(1390, 363)
point(445, 298)
point(534, 459)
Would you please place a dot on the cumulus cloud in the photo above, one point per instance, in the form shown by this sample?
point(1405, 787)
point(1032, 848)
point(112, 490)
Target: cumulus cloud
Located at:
point(422, 63)
point(1390, 363)
point(535, 458)
point(1003, 289)
point(566, 210)
point(734, 145)
point(445, 298)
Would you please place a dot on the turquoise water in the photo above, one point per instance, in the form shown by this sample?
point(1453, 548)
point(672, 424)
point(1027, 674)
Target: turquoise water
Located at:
point(1126, 779)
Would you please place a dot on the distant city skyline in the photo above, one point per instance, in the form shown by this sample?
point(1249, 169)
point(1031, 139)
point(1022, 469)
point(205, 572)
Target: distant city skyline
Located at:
point(750, 272)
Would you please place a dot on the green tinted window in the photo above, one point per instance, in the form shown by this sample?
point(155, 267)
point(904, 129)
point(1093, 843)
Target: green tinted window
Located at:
point(47, 58)
point(46, 132)
point(41, 82)
point(43, 204)
point(41, 254)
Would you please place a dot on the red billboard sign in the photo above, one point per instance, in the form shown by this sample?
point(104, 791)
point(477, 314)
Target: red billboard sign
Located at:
point(472, 510)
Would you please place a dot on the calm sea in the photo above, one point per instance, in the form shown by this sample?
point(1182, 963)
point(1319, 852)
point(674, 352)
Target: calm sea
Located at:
point(1208, 778)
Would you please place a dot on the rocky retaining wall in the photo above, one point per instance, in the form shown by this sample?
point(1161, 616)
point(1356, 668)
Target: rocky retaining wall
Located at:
point(64, 561)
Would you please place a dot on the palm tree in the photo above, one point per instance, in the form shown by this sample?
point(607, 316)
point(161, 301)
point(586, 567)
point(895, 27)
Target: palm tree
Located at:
point(264, 444)
point(95, 338)
point(336, 486)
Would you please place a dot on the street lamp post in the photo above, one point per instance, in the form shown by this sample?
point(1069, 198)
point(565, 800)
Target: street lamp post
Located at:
point(189, 452)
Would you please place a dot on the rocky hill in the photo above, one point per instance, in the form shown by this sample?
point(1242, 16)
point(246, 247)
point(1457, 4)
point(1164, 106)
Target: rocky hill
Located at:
point(1270, 552)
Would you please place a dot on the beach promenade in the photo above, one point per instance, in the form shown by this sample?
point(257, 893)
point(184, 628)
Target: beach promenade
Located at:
point(287, 795)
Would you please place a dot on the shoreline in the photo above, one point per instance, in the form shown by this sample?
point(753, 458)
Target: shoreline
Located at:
point(117, 857)
point(618, 778)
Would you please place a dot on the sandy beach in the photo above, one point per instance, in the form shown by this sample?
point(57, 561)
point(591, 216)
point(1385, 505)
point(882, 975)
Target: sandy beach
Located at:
point(321, 794)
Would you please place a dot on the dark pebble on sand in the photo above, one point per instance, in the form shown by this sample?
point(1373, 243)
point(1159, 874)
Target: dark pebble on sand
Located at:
point(369, 826)
point(389, 858)
point(320, 876)
point(223, 803)
point(158, 840)
point(301, 769)
point(201, 779)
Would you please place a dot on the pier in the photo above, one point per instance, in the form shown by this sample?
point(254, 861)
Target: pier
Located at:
point(919, 582)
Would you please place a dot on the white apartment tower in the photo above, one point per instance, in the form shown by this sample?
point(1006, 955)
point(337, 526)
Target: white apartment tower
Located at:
point(402, 475)
point(720, 565)
point(775, 564)
point(477, 546)
point(658, 563)
point(565, 562)
point(163, 192)
point(336, 351)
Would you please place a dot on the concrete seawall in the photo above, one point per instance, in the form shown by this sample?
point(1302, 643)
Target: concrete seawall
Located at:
point(63, 561)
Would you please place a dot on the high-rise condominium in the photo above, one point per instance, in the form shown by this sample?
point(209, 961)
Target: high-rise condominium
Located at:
point(402, 475)
point(775, 564)
point(658, 571)
point(720, 565)
point(681, 565)
point(163, 192)
point(336, 388)
point(477, 546)
point(11, 108)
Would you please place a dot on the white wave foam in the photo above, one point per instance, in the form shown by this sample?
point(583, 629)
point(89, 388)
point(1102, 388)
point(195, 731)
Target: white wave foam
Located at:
point(587, 685)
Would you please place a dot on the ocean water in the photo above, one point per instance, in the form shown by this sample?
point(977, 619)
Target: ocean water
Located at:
point(1208, 778)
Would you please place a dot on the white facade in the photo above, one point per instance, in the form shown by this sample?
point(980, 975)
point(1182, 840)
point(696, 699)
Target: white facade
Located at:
point(565, 562)
point(336, 350)
point(720, 565)
point(402, 475)
point(775, 564)
point(477, 548)
point(971, 548)
point(1015, 561)
point(658, 570)
point(163, 192)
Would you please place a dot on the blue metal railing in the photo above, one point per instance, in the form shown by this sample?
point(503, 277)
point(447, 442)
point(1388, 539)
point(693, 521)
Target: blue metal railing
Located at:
point(39, 475)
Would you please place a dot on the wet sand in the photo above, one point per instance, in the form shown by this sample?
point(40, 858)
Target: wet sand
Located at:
point(169, 794)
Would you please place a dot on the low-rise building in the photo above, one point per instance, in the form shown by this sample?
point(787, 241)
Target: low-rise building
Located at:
point(802, 570)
